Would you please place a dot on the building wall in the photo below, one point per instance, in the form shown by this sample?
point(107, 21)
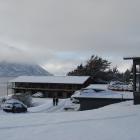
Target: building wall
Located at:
point(94, 103)
point(49, 90)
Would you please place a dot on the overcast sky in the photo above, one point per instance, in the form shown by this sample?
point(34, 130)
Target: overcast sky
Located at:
point(60, 34)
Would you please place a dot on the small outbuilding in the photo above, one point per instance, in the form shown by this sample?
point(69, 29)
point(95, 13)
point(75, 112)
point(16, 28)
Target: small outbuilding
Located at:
point(93, 98)
point(50, 86)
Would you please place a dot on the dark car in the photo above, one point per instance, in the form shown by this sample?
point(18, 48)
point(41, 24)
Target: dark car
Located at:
point(14, 106)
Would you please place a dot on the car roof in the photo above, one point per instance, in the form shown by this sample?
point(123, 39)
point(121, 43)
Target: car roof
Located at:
point(14, 101)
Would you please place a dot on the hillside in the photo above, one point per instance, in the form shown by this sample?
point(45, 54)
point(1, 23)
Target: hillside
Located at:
point(17, 69)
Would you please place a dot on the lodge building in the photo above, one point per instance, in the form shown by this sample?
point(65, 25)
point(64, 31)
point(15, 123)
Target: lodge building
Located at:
point(50, 86)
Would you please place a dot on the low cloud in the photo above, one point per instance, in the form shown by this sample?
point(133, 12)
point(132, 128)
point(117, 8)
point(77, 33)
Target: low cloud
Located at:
point(61, 34)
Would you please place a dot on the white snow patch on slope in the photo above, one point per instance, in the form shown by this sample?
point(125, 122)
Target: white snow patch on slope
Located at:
point(47, 106)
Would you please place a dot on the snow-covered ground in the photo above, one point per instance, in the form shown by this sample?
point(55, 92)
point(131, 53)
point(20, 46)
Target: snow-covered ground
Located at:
point(44, 121)
point(114, 122)
point(46, 105)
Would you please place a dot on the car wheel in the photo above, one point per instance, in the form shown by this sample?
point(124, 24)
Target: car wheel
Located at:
point(14, 110)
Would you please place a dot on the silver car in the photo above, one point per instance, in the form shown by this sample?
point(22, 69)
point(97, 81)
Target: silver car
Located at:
point(14, 106)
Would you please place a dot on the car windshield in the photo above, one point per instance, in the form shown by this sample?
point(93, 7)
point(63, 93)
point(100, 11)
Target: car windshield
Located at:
point(17, 105)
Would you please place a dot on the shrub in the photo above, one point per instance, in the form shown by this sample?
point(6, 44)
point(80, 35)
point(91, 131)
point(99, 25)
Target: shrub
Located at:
point(23, 97)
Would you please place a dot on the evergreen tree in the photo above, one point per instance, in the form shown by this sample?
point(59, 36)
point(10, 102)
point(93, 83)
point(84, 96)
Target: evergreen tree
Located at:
point(127, 76)
point(100, 71)
point(94, 67)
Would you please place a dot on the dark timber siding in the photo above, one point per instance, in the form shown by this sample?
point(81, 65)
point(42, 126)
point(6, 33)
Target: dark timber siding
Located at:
point(94, 103)
point(48, 89)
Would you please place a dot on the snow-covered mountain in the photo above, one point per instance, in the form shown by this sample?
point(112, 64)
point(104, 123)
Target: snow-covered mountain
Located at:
point(8, 69)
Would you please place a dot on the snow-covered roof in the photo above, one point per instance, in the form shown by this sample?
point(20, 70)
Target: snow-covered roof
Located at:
point(132, 57)
point(51, 79)
point(90, 92)
point(97, 86)
point(104, 94)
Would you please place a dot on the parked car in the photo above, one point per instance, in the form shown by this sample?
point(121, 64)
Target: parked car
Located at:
point(38, 95)
point(14, 106)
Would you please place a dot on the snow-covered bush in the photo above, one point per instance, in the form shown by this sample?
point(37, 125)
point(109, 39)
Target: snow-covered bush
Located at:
point(23, 97)
point(2, 100)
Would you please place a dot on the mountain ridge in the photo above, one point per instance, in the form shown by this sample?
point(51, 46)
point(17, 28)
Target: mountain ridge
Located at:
point(11, 69)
